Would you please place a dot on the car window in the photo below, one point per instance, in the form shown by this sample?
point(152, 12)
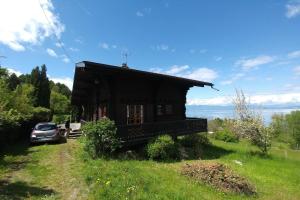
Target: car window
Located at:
point(45, 127)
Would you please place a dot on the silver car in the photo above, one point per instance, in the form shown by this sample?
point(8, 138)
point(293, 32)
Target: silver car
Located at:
point(45, 132)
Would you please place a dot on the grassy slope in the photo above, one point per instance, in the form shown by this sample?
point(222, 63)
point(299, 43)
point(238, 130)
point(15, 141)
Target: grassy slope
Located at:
point(275, 177)
point(61, 171)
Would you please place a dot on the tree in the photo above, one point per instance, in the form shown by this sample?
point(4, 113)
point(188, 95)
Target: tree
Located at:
point(23, 99)
point(44, 92)
point(293, 121)
point(13, 81)
point(3, 73)
point(60, 88)
point(249, 124)
point(25, 78)
point(39, 80)
point(59, 103)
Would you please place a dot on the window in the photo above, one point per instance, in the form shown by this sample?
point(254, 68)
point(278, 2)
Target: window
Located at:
point(169, 109)
point(160, 110)
point(135, 114)
point(166, 109)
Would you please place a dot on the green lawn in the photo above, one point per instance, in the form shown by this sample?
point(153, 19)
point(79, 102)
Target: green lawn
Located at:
point(62, 171)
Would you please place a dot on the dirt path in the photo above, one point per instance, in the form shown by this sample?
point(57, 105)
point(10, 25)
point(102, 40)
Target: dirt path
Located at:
point(43, 172)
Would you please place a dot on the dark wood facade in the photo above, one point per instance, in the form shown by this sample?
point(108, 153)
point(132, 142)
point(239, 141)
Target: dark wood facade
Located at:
point(142, 104)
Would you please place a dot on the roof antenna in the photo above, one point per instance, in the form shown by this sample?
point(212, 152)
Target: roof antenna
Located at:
point(212, 87)
point(125, 55)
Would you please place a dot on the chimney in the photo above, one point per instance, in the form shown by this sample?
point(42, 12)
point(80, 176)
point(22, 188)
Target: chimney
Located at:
point(124, 65)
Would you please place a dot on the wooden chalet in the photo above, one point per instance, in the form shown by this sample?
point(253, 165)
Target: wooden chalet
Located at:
point(142, 104)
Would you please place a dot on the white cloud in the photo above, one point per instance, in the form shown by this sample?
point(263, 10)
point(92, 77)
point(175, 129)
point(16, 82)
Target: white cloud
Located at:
point(59, 44)
point(13, 71)
point(297, 70)
point(51, 52)
point(269, 78)
point(228, 82)
point(233, 78)
point(156, 70)
point(143, 12)
point(248, 64)
point(210, 101)
point(267, 99)
point(79, 40)
point(104, 45)
point(218, 58)
point(192, 51)
point(24, 23)
point(162, 47)
point(139, 14)
point(201, 74)
point(177, 69)
point(65, 80)
point(203, 51)
point(292, 10)
point(294, 54)
point(65, 59)
point(73, 49)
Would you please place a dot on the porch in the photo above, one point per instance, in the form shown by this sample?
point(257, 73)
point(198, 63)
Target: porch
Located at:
point(141, 132)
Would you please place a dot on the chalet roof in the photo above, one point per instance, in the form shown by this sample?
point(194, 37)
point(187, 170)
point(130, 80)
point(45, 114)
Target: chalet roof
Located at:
point(85, 71)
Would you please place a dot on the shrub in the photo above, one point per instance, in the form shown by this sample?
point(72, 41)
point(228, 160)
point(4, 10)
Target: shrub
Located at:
point(41, 114)
point(226, 136)
point(9, 126)
point(163, 148)
point(101, 138)
point(60, 118)
point(192, 145)
point(194, 140)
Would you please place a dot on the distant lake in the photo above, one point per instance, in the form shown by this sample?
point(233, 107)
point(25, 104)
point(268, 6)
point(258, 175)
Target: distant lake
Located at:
point(211, 112)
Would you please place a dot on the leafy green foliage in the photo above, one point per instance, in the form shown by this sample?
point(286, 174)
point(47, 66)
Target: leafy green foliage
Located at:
point(193, 140)
point(215, 124)
point(3, 73)
point(287, 128)
point(226, 135)
point(60, 118)
point(13, 81)
point(293, 121)
point(192, 146)
point(59, 103)
point(163, 148)
point(41, 114)
point(60, 88)
point(101, 138)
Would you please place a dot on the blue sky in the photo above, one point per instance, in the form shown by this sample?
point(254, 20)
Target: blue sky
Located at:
point(249, 45)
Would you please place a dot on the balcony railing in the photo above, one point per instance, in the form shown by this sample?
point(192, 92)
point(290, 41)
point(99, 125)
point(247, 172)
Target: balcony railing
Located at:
point(148, 130)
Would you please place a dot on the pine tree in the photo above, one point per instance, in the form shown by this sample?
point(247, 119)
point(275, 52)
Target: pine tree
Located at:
point(41, 93)
point(44, 93)
point(34, 80)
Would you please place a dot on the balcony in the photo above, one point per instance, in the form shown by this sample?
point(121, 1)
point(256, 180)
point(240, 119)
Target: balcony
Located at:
point(142, 132)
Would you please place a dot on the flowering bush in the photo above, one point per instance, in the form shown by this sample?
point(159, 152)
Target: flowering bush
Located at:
point(250, 124)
